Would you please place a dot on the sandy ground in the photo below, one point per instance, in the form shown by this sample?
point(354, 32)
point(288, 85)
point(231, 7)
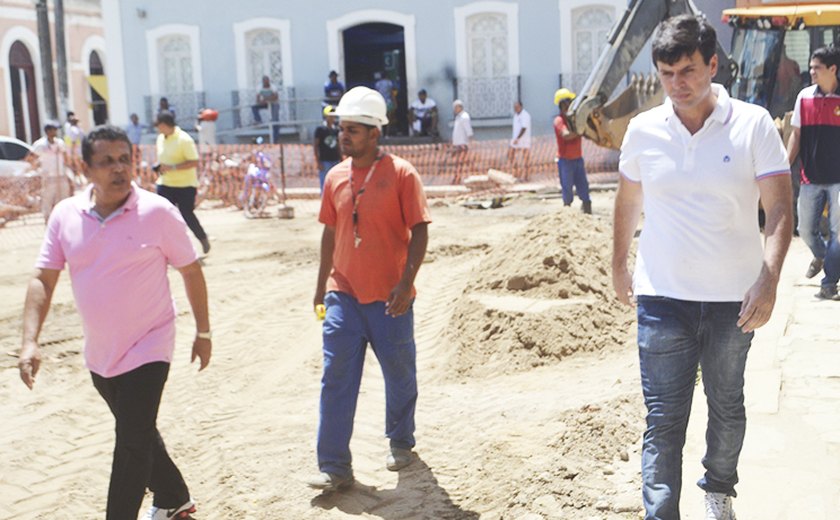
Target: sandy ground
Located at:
point(529, 397)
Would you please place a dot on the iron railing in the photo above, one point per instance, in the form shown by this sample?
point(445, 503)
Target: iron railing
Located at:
point(185, 105)
point(488, 97)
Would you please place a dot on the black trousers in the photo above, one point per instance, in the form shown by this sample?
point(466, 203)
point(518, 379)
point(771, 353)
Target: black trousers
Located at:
point(140, 458)
point(184, 200)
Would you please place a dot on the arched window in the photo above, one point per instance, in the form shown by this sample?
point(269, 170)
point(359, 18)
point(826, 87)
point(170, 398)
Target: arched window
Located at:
point(24, 94)
point(591, 27)
point(265, 57)
point(175, 62)
point(487, 45)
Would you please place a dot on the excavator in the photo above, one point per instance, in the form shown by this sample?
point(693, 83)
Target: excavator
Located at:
point(769, 43)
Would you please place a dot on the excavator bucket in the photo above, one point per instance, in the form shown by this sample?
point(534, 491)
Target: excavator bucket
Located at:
point(606, 125)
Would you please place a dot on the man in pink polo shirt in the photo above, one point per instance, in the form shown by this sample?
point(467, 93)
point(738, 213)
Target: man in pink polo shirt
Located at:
point(118, 241)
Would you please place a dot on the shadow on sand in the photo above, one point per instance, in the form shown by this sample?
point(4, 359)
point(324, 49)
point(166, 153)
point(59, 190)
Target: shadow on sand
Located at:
point(417, 495)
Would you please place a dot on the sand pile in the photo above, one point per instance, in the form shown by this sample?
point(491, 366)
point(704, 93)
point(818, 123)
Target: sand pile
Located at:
point(588, 469)
point(542, 295)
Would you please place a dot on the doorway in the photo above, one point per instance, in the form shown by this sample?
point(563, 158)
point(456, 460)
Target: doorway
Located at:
point(24, 94)
point(379, 48)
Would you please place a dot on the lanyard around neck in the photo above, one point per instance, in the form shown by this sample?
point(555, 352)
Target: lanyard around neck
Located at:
point(357, 239)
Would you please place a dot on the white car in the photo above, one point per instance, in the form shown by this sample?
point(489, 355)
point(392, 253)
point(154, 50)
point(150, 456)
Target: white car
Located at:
point(13, 154)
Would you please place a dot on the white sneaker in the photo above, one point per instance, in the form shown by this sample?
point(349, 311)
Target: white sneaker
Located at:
point(162, 513)
point(719, 507)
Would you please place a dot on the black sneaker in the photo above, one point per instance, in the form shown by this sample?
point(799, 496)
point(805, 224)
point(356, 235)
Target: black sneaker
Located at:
point(814, 268)
point(827, 292)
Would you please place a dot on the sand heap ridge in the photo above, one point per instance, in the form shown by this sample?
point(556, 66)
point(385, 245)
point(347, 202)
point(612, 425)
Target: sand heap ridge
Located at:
point(542, 295)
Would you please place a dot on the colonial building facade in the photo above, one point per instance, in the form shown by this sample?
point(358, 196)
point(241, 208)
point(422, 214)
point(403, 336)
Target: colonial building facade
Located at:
point(21, 66)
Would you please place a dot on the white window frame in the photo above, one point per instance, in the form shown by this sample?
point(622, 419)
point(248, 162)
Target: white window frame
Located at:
point(509, 10)
point(152, 38)
point(241, 30)
point(335, 43)
point(567, 33)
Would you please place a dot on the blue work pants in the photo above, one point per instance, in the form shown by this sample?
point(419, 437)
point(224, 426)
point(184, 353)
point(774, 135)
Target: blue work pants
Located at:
point(348, 328)
point(573, 177)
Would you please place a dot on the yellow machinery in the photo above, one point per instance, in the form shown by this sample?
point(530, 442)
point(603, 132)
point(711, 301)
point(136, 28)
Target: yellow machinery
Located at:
point(768, 65)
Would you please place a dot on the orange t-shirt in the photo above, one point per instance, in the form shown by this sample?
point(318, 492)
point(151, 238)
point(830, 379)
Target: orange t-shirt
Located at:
point(393, 203)
point(570, 149)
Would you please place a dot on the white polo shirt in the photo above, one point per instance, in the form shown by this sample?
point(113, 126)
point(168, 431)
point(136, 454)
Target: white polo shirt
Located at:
point(520, 121)
point(462, 129)
point(700, 239)
point(50, 156)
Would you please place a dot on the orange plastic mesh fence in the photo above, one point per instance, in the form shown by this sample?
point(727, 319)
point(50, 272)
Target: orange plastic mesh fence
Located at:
point(223, 167)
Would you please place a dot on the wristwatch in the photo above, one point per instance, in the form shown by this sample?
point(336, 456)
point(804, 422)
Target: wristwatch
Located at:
point(204, 335)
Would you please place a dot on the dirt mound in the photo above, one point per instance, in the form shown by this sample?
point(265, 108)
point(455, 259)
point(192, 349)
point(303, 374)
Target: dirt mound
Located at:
point(589, 470)
point(542, 295)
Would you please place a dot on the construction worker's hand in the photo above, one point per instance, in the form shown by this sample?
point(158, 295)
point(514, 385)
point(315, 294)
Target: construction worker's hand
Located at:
point(399, 300)
point(623, 285)
point(29, 362)
point(758, 304)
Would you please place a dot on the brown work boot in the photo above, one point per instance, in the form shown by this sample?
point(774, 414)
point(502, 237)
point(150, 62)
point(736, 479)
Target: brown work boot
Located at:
point(398, 459)
point(827, 292)
point(814, 268)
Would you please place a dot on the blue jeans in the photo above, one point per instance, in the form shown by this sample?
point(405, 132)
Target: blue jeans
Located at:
point(326, 166)
point(573, 174)
point(273, 107)
point(812, 200)
point(348, 327)
point(674, 336)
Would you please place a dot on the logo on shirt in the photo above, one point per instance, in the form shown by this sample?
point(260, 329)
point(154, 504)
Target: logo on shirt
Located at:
point(726, 159)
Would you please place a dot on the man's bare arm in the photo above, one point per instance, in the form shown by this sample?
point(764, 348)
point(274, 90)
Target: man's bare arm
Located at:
point(196, 289)
point(628, 211)
point(38, 297)
point(777, 200)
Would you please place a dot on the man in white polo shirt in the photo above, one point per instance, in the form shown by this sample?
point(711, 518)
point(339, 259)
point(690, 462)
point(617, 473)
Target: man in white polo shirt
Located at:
point(697, 165)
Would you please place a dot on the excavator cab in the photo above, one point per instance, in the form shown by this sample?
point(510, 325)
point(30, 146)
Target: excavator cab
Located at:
point(772, 46)
point(768, 65)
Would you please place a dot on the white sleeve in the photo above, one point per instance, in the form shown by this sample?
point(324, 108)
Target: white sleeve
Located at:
point(526, 119)
point(796, 119)
point(628, 160)
point(768, 152)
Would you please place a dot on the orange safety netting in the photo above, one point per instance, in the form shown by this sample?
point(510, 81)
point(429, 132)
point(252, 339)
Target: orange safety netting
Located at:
point(223, 167)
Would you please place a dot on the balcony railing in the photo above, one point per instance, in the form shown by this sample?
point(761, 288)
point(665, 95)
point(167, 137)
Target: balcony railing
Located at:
point(284, 110)
point(488, 98)
point(185, 105)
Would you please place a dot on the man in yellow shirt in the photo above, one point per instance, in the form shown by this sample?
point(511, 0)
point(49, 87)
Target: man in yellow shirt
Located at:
point(177, 160)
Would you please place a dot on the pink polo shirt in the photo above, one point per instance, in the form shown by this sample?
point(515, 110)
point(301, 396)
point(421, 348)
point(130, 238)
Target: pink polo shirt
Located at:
point(118, 272)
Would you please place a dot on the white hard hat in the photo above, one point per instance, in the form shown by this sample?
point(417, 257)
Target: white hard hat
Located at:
point(362, 105)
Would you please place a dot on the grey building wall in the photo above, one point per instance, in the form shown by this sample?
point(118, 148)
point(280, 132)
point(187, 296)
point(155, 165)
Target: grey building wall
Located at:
point(541, 45)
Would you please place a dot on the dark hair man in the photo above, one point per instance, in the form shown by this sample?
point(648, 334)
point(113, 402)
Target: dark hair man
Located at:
point(698, 165)
point(375, 220)
point(815, 137)
point(117, 241)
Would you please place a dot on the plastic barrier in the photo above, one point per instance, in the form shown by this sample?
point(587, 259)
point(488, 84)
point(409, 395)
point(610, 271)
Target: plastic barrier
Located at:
point(223, 167)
